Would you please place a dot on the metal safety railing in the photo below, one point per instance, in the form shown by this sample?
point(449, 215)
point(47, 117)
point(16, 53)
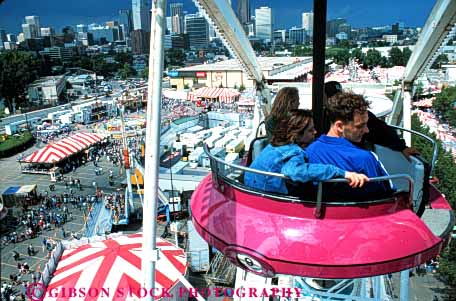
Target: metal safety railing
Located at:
point(435, 146)
point(231, 172)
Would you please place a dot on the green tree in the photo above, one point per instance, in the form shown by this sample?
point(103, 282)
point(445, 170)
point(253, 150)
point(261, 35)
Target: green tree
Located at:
point(373, 58)
point(344, 44)
point(441, 59)
point(17, 70)
point(127, 71)
point(396, 57)
point(444, 105)
point(302, 51)
point(357, 53)
point(145, 73)
point(102, 67)
point(406, 52)
point(122, 58)
point(445, 171)
point(174, 57)
point(339, 55)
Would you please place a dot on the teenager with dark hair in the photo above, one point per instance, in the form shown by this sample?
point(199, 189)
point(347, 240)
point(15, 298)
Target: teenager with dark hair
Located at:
point(287, 99)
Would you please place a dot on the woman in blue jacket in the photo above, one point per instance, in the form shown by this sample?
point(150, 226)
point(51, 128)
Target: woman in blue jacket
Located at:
point(286, 155)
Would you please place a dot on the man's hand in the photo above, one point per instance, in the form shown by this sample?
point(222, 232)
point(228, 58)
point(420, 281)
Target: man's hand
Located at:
point(356, 179)
point(409, 151)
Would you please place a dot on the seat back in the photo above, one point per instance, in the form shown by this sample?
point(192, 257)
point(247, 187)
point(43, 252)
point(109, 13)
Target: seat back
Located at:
point(418, 169)
point(256, 147)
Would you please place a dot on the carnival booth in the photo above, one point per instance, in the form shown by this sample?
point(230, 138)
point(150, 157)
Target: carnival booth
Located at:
point(17, 196)
point(53, 155)
point(114, 264)
point(223, 95)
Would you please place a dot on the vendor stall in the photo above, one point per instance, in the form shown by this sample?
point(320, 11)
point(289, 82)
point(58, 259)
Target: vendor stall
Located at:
point(44, 160)
point(17, 196)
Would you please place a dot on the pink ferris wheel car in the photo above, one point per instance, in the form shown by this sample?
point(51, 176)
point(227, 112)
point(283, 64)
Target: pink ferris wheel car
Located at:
point(268, 234)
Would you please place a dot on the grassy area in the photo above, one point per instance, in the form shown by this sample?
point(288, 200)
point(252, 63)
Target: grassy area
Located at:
point(15, 144)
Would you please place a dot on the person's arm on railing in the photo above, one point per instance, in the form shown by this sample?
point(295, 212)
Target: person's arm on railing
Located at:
point(299, 171)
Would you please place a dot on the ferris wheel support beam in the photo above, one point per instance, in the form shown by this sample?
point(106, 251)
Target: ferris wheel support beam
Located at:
point(438, 25)
point(226, 24)
point(436, 29)
point(319, 44)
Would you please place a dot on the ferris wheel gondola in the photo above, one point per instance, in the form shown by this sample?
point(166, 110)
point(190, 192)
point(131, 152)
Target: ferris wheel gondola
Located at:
point(269, 234)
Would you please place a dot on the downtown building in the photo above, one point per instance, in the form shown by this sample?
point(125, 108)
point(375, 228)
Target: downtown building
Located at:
point(197, 29)
point(243, 13)
point(140, 36)
point(141, 15)
point(263, 24)
point(31, 27)
point(177, 17)
point(307, 22)
point(297, 36)
point(125, 23)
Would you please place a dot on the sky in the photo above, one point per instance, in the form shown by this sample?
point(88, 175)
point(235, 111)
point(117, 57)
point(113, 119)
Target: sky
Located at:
point(359, 13)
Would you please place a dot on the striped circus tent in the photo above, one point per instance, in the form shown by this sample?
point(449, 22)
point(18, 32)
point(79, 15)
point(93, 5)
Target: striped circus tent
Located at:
point(424, 103)
point(56, 152)
point(222, 94)
point(115, 265)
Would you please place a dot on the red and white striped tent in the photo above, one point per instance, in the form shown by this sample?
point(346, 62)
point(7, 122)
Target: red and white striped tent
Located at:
point(56, 152)
point(222, 94)
point(115, 266)
point(424, 103)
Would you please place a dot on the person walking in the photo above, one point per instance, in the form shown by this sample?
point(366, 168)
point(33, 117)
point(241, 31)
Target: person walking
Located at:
point(16, 256)
point(30, 250)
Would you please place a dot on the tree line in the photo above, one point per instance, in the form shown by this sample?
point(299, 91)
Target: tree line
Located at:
point(342, 53)
point(444, 107)
point(19, 68)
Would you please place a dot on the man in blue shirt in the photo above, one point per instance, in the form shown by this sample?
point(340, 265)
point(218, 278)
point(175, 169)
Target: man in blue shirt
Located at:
point(348, 115)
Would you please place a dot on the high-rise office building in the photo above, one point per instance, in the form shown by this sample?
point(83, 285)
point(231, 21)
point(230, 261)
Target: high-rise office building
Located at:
point(176, 9)
point(81, 28)
point(280, 36)
point(243, 11)
point(177, 17)
point(332, 26)
point(29, 31)
point(47, 32)
point(197, 30)
point(169, 24)
point(307, 22)
point(297, 36)
point(140, 40)
point(126, 22)
point(141, 15)
point(21, 37)
point(345, 27)
point(34, 21)
point(263, 23)
point(102, 34)
point(11, 37)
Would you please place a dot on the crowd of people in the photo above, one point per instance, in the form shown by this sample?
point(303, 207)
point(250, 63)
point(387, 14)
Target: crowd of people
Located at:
point(116, 203)
point(51, 213)
point(46, 134)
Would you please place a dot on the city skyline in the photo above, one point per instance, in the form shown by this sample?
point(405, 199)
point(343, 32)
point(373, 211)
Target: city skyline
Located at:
point(357, 13)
